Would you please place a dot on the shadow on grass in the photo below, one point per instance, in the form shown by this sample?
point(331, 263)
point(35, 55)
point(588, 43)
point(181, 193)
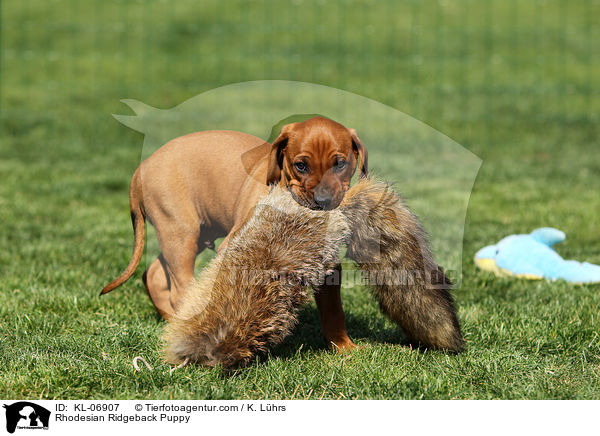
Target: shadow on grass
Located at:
point(307, 334)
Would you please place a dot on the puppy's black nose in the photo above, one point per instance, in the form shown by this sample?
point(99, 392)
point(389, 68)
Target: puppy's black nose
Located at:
point(323, 201)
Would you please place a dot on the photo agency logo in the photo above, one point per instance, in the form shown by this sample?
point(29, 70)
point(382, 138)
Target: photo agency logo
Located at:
point(431, 171)
point(24, 415)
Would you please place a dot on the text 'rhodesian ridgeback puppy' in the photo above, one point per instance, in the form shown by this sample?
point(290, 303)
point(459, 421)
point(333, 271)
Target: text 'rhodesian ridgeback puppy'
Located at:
point(202, 186)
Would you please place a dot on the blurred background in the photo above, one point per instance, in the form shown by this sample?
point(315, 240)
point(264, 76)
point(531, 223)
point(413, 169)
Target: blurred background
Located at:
point(515, 82)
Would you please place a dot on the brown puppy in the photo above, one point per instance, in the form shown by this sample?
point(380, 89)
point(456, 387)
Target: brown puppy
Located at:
point(202, 186)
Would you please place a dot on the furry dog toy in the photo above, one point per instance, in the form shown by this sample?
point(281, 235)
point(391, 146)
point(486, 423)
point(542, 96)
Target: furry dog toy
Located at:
point(230, 314)
point(532, 257)
point(246, 299)
point(389, 244)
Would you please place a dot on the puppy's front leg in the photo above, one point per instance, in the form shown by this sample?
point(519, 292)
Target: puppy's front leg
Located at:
point(329, 303)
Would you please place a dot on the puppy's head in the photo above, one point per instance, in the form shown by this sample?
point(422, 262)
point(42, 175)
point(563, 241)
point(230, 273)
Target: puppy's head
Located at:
point(316, 159)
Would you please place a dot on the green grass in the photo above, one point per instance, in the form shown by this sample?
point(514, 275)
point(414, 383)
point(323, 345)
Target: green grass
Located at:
point(514, 82)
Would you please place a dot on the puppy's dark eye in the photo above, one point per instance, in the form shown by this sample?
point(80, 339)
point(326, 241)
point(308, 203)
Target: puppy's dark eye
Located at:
point(301, 167)
point(340, 164)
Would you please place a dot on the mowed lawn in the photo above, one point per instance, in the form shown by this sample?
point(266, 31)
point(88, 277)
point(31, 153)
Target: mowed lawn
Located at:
point(514, 82)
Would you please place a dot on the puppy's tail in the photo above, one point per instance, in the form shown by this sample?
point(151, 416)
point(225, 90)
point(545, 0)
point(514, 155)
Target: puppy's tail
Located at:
point(139, 229)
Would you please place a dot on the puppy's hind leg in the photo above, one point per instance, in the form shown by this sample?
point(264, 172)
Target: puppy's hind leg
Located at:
point(179, 251)
point(158, 286)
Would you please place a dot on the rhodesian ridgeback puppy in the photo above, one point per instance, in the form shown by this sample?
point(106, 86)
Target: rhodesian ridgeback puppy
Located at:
point(203, 186)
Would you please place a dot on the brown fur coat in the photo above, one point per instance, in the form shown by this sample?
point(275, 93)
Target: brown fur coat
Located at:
point(390, 246)
point(246, 300)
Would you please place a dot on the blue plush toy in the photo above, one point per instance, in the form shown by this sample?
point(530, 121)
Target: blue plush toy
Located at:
point(532, 257)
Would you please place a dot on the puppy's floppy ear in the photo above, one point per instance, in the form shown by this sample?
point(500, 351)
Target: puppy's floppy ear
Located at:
point(276, 155)
point(361, 151)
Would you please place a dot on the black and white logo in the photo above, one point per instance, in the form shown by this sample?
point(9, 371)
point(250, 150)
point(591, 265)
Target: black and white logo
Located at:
point(26, 415)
